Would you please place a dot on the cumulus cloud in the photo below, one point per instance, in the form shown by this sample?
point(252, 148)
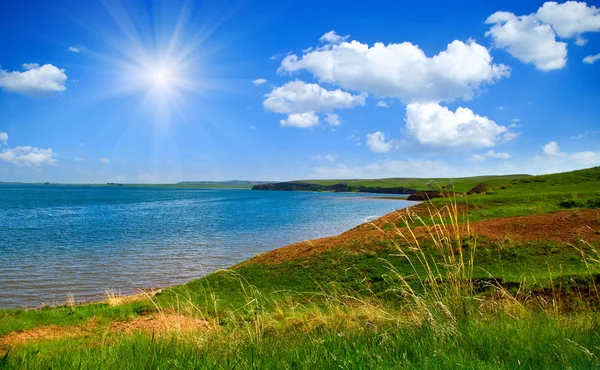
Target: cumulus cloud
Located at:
point(259, 81)
point(532, 38)
point(148, 178)
point(382, 104)
point(326, 157)
point(401, 70)
point(527, 39)
point(406, 168)
point(511, 135)
point(300, 120)
point(300, 97)
point(333, 119)
point(591, 59)
point(28, 156)
point(570, 19)
point(36, 80)
point(491, 154)
point(355, 139)
point(376, 142)
point(555, 160)
point(332, 38)
point(103, 160)
point(552, 148)
point(73, 49)
point(587, 158)
point(433, 125)
point(79, 159)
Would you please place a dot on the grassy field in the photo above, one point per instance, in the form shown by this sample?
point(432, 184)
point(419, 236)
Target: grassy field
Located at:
point(444, 285)
point(463, 184)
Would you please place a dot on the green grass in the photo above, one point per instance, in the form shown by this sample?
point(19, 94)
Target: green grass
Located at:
point(501, 341)
point(463, 184)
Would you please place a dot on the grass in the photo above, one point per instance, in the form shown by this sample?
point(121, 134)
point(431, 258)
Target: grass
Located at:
point(428, 295)
point(463, 184)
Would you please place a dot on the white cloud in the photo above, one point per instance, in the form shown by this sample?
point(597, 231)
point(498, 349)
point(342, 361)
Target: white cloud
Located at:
point(333, 119)
point(73, 49)
point(401, 70)
point(332, 38)
point(28, 156)
point(591, 59)
point(3, 138)
point(570, 19)
point(148, 178)
point(35, 80)
point(552, 148)
point(327, 157)
point(376, 142)
point(301, 97)
point(528, 40)
point(511, 135)
point(407, 168)
point(259, 81)
point(29, 66)
point(437, 126)
point(382, 104)
point(355, 139)
point(581, 41)
point(491, 154)
point(252, 127)
point(554, 160)
point(587, 158)
point(300, 120)
point(103, 160)
point(79, 159)
point(577, 137)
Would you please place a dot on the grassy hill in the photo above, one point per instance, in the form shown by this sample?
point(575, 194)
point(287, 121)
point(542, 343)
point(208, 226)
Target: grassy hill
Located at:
point(461, 184)
point(391, 185)
point(505, 279)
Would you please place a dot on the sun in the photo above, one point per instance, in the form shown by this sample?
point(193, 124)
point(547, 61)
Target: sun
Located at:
point(161, 77)
point(162, 63)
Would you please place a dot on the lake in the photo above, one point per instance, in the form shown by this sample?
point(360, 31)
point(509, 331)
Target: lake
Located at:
point(86, 240)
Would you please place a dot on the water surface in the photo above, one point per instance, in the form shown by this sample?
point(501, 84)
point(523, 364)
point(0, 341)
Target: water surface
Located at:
point(85, 240)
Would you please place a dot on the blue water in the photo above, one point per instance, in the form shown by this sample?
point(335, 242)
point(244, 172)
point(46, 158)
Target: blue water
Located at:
point(60, 240)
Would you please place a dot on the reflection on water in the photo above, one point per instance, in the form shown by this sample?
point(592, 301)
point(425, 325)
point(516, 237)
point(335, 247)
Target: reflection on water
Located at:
point(56, 240)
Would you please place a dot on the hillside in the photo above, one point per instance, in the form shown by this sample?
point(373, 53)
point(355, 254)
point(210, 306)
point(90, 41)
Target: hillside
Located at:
point(390, 185)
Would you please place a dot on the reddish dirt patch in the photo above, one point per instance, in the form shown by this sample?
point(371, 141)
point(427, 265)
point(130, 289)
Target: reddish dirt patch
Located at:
point(365, 236)
point(566, 226)
point(48, 332)
point(161, 324)
point(157, 324)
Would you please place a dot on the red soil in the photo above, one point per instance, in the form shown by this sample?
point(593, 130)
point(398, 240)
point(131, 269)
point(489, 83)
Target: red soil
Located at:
point(566, 226)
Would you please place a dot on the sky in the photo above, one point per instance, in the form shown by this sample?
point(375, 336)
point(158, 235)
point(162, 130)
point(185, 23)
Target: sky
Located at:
point(166, 91)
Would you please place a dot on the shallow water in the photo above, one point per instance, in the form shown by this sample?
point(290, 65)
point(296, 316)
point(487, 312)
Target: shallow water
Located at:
point(84, 240)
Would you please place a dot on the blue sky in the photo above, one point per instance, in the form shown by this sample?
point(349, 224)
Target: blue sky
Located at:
point(166, 91)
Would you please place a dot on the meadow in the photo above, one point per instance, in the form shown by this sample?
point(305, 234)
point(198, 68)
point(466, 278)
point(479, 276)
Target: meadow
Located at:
point(505, 279)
